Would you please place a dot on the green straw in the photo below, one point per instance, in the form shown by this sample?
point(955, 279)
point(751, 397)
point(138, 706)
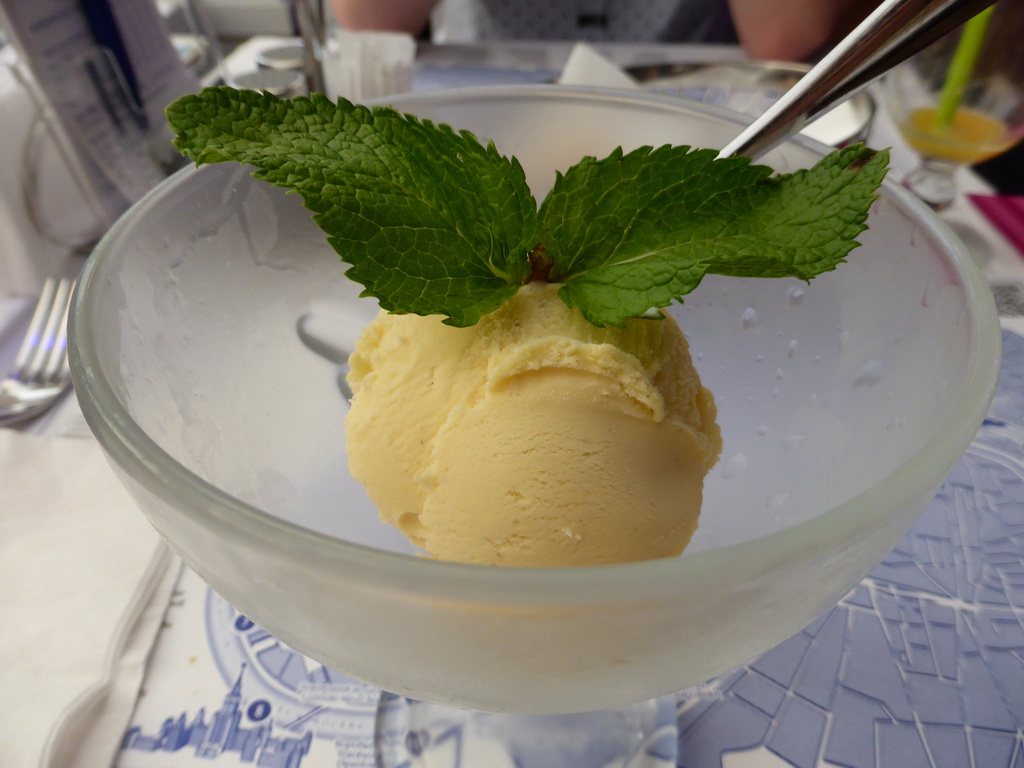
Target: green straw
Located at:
point(961, 68)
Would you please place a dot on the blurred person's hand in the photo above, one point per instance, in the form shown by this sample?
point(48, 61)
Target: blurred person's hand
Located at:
point(787, 30)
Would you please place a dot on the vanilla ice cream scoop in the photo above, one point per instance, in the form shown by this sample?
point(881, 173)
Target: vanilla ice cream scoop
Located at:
point(532, 438)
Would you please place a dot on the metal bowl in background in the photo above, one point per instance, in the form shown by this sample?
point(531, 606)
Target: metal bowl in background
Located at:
point(280, 82)
point(285, 56)
point(750, 88)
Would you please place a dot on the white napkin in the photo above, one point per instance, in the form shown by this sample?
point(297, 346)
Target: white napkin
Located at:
point(85, 584)
point(366, 65)
point(586, 66)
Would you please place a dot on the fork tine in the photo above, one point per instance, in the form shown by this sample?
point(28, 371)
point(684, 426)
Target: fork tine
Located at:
point(57, 366)
point(45, 343)
point(30, 343)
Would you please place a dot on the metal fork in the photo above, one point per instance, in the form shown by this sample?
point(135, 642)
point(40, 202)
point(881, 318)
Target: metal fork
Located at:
point(40, 372)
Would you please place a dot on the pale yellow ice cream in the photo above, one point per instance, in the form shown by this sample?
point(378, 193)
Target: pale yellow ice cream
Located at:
point(533, 437)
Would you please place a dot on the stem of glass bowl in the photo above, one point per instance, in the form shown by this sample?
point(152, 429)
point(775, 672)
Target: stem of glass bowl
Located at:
point(933, 182)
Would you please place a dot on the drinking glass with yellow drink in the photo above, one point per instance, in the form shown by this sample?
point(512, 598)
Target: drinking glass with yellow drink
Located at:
point(961, 101)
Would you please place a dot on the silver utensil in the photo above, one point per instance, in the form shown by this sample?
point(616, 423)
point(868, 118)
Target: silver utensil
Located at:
point(309, 18)
point(40, 373)
point(895, 31)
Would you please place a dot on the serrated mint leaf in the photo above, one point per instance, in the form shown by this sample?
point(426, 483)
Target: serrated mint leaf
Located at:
point(659, 220)
point(592, 209)
point(430, 220)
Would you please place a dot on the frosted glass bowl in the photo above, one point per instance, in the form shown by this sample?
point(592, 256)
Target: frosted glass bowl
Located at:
point(843, 404)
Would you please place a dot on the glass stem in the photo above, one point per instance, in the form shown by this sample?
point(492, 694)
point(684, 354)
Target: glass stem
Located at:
point(933, 182)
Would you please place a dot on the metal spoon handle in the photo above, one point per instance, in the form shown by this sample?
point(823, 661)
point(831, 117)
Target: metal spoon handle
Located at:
point(893, 32)
point(938, 22)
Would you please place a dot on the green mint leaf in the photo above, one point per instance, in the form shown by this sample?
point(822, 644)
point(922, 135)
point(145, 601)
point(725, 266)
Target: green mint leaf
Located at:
point(636, 231)
point(430, 220)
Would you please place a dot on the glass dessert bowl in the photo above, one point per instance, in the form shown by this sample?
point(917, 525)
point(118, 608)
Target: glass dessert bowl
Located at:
point(207, 339)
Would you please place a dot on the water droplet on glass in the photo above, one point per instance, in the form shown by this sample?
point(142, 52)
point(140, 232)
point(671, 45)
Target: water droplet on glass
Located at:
point(778, 373)
point(868, 374)
point(792, 442)
point(843, 338)
point(759, 358)
point(791, 349)
point(749, 318)
point(762, 431)
point(795, 296)
point(776, 500)
point(734, 466)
